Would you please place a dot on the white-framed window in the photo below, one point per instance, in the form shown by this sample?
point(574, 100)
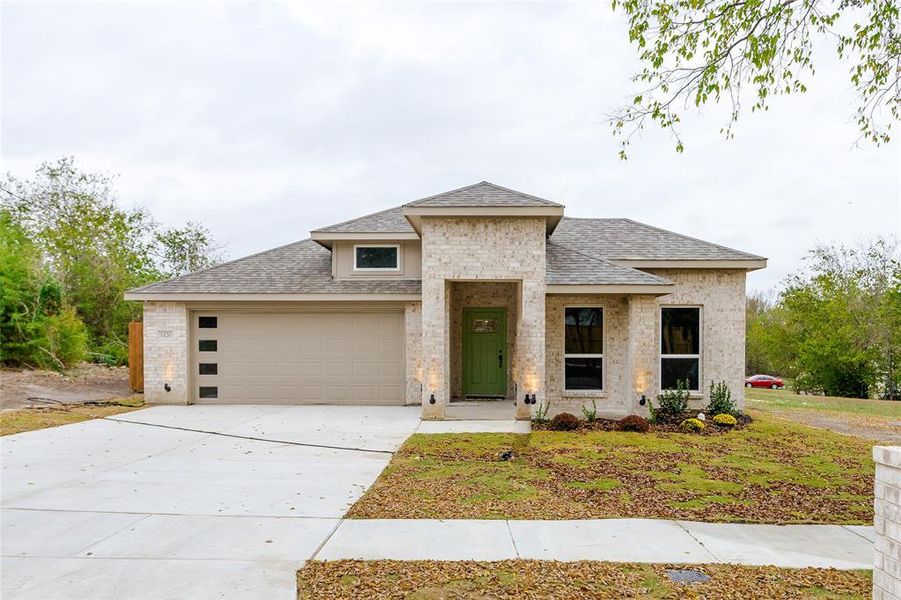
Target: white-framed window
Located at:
point(377, 257)
point(583, 348)
point(680, 346)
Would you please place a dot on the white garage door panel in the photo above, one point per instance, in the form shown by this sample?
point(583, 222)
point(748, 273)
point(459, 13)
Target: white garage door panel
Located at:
point(308, 358)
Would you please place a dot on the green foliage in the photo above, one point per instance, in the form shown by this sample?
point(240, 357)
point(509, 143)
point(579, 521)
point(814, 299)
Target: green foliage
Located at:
point(590, 414)
point(700, 53)
point(541, 411)
point(692, 425)
point(77, 248)
point(672, 403)
point(720, 399)
point(36, 329)
point(836, 328)
point(725, 420)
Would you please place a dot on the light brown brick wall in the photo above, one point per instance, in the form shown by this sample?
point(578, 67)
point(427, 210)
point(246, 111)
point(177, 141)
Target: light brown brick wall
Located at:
point(499, 249)
point(632, 341)
point(413, 352)
point(165, 352)
point(887, 523)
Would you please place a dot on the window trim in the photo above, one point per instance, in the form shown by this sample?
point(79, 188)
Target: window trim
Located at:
point(376, 269)
point(583, 391)
point(699, 355)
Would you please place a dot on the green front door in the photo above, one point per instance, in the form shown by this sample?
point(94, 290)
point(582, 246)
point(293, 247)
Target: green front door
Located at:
point(484, 351)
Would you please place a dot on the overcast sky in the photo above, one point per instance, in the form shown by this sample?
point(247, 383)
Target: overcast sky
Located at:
point(264, 122)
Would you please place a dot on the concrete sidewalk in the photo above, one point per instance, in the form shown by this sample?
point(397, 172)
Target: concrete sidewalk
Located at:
point(616, 540)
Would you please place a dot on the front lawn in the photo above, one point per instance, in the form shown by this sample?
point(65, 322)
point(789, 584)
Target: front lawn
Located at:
point(432, 580)
point(29, 419)
point(773, 471)
point(878, 420)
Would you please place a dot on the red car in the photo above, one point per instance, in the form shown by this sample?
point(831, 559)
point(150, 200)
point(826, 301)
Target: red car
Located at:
point(764, 381)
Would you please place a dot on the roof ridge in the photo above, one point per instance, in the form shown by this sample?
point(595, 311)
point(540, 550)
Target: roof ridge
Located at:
point(224, 264)
point(608, 262)
point(355, 219)
point(488, 183)
point(694, 239)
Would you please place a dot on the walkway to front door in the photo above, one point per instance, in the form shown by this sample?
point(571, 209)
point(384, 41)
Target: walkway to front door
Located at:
point(484, 352)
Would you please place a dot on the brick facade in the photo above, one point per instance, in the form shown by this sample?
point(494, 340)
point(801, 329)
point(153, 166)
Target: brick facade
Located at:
point(413, 352)
point(482, 249)
point(165, 352)
point(887, 523)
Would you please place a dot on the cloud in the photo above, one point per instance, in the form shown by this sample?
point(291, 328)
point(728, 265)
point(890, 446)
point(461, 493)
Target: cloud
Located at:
point(266, 121)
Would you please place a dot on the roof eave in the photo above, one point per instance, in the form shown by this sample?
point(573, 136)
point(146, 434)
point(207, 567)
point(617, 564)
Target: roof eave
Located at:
point(263, 297)
point(650, 289)
point(551, 214)
point(325, 238)
point(746, 264)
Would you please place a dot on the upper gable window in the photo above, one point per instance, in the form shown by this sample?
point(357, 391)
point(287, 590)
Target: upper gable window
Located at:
point(377, 258)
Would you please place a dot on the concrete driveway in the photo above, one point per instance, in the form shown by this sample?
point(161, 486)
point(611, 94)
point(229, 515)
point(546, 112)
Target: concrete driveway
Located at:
point(107, 509)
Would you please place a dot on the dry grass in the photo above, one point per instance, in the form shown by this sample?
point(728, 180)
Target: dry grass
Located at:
point(432, 580)
point(773, 471)
point(30, 419)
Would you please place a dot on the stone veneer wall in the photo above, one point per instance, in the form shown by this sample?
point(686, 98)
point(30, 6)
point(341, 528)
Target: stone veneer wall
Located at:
point(632, 341)
point(413, 352)
point(480, 294)
point(493, 249)
point(165, 352)
point(887, 523)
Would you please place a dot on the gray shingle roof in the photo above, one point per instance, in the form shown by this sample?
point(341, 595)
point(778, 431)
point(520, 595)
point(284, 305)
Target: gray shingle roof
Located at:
point(568, 267)
point(624, 239)
point(391, 220)
point(482, 194)
point(303, 267)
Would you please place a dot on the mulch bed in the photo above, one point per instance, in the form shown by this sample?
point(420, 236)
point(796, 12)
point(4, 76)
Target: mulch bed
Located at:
point(433, 580)
point(601, 424)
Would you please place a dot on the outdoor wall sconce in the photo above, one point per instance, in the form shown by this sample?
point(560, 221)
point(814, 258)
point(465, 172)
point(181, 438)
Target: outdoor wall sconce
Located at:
point(530, 399)
point(643, 400)
point(432, 399)
point(167, 388)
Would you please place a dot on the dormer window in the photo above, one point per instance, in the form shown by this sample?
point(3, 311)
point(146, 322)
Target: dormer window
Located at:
point(382, 257)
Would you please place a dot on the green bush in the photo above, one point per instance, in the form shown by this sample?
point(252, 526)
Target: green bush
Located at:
point(66, 338)
point(720, 399)
point(672, 404)
point(564, 422)
point(725, 420)
point(692, 424)
point(590, 414)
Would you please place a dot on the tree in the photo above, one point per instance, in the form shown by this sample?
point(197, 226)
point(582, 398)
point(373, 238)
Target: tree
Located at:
point(95, 249)
point(698, 53)
point(757, 307)
point(187, 249)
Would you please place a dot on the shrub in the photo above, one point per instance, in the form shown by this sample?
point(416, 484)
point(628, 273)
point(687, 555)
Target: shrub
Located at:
point(725, 420)
point(565, 422)
point(541, 412)
point(671, 404)
point(692, 425)
point(591, 414)
point(633, 423)
point(720, 399)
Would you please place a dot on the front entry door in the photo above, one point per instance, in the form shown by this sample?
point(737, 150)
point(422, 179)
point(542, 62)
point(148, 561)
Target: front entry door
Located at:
point(484, 351)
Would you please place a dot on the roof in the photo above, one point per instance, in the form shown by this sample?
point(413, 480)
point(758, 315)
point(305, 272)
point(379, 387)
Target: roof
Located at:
point(303, 267)
point(482, 194)
point(625, 239)
point(391, 220)
point(569, 267)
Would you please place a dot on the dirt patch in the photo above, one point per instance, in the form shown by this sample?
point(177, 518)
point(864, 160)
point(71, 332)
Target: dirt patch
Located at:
point(433, 580)
point(84, 383)
point(882, 429)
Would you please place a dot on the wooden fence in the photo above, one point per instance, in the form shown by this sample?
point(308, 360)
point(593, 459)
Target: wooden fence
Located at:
point(136, 356)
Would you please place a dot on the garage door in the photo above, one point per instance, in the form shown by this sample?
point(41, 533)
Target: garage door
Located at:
point(298, 358)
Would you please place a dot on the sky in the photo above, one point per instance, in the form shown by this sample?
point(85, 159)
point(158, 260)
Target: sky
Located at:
point(265, 121)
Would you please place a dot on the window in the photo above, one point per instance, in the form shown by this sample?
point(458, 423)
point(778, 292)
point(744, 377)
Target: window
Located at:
point(376, 258)
point(207, 322)
point(208, 345)
point(680, 346)
point(583, 340)
point(209, 391)
point(209, 369)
